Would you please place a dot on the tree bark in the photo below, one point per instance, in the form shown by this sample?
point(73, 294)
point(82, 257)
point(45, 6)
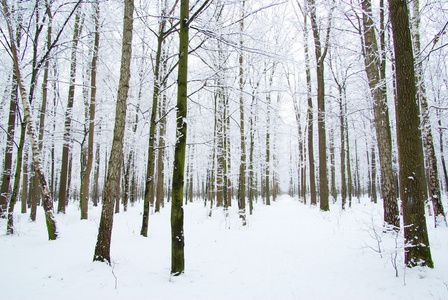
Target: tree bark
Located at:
point(85, 177)
point(149, 187)
point(410, 148)
point(242, 179)
point(428, 144)
point(310, 120)
point(71, 94)
point(343, 161)
point(320, 57)
point(177, 212)
point(382, 124)
point(112, 185)
point(15, 190)
point(7, 161)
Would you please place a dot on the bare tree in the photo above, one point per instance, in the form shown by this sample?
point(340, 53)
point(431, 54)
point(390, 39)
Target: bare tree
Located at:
point(382, 124)
point(428, 144)
point(110, 194)
point(320, 53)
point(68, 116)
point(85, 174)
point(410, 148)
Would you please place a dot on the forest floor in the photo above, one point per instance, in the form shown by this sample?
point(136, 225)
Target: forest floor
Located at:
point(287, 251)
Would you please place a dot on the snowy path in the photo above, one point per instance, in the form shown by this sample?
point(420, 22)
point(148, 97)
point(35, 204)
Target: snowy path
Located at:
point(287, 251)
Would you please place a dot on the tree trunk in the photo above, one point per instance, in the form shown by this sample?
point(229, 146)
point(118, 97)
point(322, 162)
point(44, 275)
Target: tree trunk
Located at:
point(347, 142)
point(268, 140)
point(343, 161)
point(382, 124)
point(7, 161)
point(320, 57)
point(68, 115)
point(177, 212)
point(410, 148)
point(96, 175)
point(102, 249)
point(149, 188)
point(15, 190)
point(160, 194)
point(242, 179)
point(433, 173)
point(24, 192)
point(333, 190)
point(85, 177)
point(310, 121)
point(373, 190)
point(251, 179)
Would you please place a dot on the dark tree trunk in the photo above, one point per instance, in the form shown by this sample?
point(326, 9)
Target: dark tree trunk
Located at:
point(410, 148)
point(68, 118)
point(85, 177)
point(177, 211)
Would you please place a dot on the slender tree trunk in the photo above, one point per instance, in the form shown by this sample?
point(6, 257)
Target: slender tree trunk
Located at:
point(24, 192)
point(7, 161)
point(410, 148)
point(320, 57)
point(160, 155)
point(96, 175)
point(149, 188)
point(310, 120)
point(342, 127)
point(442, 152)
point(68, 116)
point(177, 212)
point(358, 180)
point(85, 177)
point(15, 190)
point(428, 144)
point(229, 186)
point(373, 191)
point(251, 179)
point(347, 142)
point(268, 140)
point(242, 179)
point(334, 193)
point(102, 249)
point(220, 180)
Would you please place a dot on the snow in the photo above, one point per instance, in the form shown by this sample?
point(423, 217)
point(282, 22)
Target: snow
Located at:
point(287, 251)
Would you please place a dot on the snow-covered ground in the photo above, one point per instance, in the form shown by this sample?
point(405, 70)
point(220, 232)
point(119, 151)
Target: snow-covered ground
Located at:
point(287, 251)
